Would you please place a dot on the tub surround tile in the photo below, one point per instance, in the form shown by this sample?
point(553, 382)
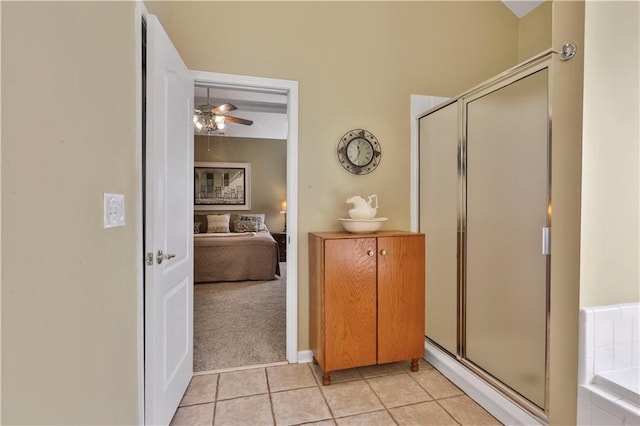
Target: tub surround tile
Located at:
point(585, 371)
point(607, 313)
point(613, 404)
point(603, 333)
point(601, 417)
point(604, 359)
point(614, 347)
point(622, 330)
point(622, 356)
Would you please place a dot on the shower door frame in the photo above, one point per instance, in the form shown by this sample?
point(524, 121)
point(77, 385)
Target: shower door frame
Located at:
point(489, 87)
point(538, 63)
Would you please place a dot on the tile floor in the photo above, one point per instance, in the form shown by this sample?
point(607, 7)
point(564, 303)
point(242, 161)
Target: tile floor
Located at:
point(292, 394)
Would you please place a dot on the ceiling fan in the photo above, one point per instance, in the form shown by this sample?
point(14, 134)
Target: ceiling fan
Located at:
point(209, 118)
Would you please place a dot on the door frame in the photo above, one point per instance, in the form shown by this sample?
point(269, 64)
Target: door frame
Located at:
point(472, 381)
point(290, 88)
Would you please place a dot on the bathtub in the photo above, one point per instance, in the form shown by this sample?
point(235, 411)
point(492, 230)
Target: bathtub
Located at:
point(609, 365)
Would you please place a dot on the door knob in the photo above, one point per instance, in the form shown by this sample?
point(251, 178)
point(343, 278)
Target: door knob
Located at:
point(383, 252)
point(371, 253)
point(160, 256)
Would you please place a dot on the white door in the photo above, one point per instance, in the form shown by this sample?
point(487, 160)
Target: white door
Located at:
point(168, 228)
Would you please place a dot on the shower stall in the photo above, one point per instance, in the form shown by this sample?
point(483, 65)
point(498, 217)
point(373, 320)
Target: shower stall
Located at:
point(486, 209)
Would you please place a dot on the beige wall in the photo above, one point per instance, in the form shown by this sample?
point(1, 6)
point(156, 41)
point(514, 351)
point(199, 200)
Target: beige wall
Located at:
point(69, 294)
point(534, 32)
point(69, 287)
point(356, 64)
point(610, 187)
point(566, 148)
point(268, 158)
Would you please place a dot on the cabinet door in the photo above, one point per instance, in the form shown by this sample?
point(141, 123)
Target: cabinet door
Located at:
point(400, 298)
point(350, 303)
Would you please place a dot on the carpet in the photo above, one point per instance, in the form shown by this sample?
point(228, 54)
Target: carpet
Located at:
point(239, 323)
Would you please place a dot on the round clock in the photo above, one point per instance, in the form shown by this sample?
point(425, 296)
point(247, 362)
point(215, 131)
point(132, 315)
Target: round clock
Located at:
point(359, 151)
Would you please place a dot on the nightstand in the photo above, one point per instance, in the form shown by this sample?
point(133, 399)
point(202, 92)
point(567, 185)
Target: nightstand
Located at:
point(281, 238)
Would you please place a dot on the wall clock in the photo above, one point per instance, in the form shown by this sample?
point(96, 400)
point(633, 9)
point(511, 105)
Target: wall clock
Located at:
point(359, 151)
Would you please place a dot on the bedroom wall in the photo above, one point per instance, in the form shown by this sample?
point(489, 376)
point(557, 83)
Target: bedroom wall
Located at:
point(69, 287)
point(268, 158)
point(357, 64)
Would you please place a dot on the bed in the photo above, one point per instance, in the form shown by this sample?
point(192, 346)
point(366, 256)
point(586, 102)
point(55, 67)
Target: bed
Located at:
point(235, 256)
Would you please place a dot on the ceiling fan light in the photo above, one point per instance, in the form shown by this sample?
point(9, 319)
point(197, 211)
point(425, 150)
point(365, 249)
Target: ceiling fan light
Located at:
point(220, 125)
point(219, 119)
point(199, 125)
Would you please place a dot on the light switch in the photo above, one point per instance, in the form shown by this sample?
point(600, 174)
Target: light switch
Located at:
point(113, 210)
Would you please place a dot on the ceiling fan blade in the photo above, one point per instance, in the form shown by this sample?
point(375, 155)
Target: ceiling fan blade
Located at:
point(238, 120)
point(223, 109)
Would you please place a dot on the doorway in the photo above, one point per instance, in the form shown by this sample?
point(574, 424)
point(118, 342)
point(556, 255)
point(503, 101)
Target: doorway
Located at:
point(288, 89)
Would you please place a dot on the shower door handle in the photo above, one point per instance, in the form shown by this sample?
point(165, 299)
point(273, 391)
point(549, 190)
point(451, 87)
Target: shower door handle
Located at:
point(546, 241)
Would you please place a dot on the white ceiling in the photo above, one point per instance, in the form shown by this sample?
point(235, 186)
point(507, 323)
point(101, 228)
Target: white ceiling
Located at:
point(266, 108)
point(521, 7)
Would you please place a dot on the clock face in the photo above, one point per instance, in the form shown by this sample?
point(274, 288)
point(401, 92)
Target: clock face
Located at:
point(359, 151)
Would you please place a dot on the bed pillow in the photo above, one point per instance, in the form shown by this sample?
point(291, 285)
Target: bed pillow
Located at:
point(217, 223)
point(258, 217)
point(202, 218)
point(245, 225)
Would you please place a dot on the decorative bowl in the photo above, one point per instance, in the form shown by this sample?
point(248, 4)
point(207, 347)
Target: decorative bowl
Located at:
point(357, 226)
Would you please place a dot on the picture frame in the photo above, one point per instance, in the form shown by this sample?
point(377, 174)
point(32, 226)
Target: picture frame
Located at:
point(222, 186)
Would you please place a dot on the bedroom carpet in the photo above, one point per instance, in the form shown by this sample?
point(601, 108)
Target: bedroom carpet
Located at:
point(239, 323)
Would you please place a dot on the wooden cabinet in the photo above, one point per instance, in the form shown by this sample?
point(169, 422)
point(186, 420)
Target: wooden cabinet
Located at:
point(281, 238)
point(366, 299)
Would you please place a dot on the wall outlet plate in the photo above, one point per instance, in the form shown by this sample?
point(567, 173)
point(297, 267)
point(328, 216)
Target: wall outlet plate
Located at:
point(113, 210)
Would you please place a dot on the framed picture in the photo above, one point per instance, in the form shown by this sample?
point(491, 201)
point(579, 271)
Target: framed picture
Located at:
point(222, 186)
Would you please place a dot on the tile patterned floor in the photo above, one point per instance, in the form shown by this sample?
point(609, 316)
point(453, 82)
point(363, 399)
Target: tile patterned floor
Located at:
point(292, 394)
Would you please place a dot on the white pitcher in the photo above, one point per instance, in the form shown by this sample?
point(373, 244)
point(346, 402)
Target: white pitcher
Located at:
point(362, 210)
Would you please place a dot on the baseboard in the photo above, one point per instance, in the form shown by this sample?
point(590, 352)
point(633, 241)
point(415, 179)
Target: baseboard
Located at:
point(305, 356)
point(490, 399)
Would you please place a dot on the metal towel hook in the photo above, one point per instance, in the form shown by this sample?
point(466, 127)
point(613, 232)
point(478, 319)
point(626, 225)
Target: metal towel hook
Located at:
point(568, 51)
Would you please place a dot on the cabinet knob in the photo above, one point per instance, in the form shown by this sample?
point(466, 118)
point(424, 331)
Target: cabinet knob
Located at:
point(371, 253)
point(383, 252)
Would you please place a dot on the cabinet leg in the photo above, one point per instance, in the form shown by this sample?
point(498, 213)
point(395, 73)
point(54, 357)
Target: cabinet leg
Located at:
point(415, 366)
point(315, 361)
point(326, 379)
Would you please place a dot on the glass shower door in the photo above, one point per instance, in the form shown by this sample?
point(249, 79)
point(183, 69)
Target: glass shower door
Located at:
point(439, 221)
point(507, 207)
